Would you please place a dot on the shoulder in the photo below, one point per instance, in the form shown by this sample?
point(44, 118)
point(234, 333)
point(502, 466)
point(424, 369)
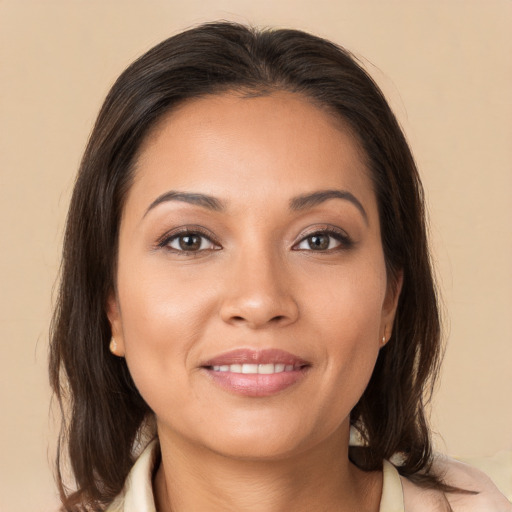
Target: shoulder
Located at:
point(485, 495)
point(468, 477)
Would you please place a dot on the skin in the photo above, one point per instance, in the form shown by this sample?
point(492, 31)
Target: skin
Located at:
point(257, 284)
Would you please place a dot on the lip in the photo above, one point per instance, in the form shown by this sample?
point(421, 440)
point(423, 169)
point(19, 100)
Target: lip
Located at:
point(256, 384)
point(250, 356)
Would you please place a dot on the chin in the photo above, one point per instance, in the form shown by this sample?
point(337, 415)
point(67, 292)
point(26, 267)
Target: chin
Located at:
point(266, 440)
point(256, 448)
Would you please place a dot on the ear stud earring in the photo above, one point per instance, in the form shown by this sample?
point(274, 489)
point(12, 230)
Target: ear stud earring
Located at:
point(113, 346)
point(383, 341)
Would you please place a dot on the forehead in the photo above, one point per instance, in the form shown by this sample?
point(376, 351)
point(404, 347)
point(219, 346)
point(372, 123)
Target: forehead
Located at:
point(239, 146)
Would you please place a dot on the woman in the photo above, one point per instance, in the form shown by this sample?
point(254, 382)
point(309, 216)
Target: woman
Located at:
point(245, 280)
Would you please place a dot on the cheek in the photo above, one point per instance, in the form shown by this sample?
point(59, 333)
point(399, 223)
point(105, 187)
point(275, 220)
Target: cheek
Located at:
point(159, 305)
point(163, 317)
point(350, 300)
point(349, 322)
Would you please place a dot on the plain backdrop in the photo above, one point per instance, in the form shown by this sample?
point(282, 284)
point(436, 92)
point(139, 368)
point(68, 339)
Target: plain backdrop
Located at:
point(446, 67)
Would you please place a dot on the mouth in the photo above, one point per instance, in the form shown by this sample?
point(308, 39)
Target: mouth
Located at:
point(256, 373)
point(261, 369)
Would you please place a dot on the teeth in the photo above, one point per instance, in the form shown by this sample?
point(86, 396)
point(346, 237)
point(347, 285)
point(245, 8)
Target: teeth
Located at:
point(264, 369)
point(249, 368)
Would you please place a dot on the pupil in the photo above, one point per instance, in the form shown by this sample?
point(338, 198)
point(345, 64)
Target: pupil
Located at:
point(319, 242)
point(190, 242)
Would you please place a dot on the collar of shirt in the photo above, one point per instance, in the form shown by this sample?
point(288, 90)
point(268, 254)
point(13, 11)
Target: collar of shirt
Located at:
point(137, 495)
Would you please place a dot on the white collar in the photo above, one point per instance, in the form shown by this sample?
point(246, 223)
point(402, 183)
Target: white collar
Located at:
point(137, 495)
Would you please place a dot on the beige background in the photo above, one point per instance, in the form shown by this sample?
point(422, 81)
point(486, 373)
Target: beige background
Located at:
point(446, 67)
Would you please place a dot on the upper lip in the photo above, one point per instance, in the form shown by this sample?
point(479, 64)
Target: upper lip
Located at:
point(251, 356)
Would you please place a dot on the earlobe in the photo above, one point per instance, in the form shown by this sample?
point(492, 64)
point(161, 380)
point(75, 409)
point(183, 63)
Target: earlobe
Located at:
point(116, 345)
point(390, 305)
point(113, 346)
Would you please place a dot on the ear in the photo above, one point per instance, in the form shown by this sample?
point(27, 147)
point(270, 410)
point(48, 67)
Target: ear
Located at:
point(116, 326)
point(394, 287)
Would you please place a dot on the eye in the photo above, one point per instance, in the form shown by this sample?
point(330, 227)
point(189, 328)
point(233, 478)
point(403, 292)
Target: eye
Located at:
point(325, 240)
point(188, 241)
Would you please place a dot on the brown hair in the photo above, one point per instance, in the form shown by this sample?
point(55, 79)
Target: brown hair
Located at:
point(104, 411)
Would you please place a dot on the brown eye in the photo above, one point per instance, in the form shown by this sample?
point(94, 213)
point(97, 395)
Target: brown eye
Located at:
point(319, 242)
point(189, 242)
point(325, 240)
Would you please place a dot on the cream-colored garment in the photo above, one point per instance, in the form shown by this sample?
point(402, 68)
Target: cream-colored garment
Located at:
point(498, 467)
point(398, 493)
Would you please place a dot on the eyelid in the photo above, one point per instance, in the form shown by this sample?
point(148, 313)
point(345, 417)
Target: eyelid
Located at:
point(339, 234)
point(329, 230)
point(164, 240)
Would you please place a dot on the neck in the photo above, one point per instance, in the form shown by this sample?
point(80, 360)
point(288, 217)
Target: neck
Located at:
point(321, 478)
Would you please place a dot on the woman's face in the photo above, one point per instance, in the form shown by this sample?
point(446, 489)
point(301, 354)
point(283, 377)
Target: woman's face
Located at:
point(252, 295)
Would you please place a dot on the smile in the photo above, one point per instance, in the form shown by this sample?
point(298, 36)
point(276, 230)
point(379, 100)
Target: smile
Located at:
point(256, 373)
point(262, 369)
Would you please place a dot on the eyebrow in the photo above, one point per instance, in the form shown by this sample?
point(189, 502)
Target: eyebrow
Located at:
point(297, 203)
point(209, 202)
point(309, 200)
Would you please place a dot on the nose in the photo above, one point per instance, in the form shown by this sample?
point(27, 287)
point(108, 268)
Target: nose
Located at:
point(259, 292)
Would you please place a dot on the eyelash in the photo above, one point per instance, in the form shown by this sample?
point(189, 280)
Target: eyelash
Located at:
point(345, 242)
point(168, 238)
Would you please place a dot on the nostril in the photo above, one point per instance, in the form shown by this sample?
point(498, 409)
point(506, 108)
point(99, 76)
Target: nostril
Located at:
point(275, 319)
point(256, 312)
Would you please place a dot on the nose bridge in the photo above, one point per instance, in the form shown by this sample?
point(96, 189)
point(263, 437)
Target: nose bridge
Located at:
point(259, 291)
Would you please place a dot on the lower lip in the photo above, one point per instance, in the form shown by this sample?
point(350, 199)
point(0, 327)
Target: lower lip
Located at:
point(254, 384)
